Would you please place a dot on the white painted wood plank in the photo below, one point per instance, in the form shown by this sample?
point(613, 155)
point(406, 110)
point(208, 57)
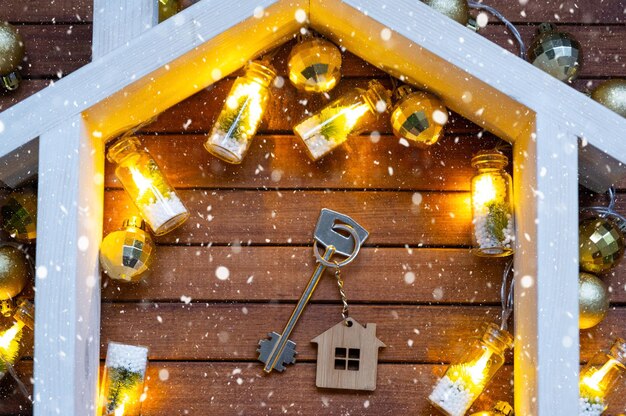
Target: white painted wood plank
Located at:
point(71, 189)
point(475, 77)
point(67, 297)
point(117, 22)
point(182, 42)
point(546, 265)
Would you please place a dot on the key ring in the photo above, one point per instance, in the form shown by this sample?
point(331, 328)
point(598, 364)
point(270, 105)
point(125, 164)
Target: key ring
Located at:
point(350, 258)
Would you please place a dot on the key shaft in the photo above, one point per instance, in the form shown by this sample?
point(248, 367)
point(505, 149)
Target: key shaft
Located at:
point(277, 351)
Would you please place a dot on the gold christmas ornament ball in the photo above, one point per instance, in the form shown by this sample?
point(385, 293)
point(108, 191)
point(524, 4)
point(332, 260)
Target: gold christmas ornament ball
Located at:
point(418, 116)
point(556, 53)
point(11, 49)
point(168, 8)
point(315, 65)
point(455, 9)
point(601, 245)
point(19, 215)
point(612, 95)
point(593, 300)
point(127, 254)
point(15, 271)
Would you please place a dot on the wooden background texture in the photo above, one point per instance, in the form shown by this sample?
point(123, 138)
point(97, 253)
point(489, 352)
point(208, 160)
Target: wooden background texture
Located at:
point(415, 278)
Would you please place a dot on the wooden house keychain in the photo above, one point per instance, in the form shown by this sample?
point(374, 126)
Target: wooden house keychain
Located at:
point(339, 235)
point(347, 353)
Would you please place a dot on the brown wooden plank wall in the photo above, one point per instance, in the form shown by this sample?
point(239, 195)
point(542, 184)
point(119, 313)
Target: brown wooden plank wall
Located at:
point(415, 278)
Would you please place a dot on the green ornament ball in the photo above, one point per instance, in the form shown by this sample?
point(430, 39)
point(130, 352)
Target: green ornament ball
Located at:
point(601, 245)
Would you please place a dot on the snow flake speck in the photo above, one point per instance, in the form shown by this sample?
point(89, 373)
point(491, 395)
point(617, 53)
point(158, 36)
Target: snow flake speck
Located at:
point(216, 74)
point(259, 12)
point(42, 272)
point(186, 299)
point(385, 34)
point(417, 198)
point(409, 278)
point(527, 281)
point(440, 117)
point(300, 16)
point(222, 273)
point(482, 19)
point(164, 375)
point(83, 243)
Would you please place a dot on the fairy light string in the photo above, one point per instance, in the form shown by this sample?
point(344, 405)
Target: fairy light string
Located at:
point(510, 26)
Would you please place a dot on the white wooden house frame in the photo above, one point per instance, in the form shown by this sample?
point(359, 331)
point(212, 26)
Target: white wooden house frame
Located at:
point(139, 71)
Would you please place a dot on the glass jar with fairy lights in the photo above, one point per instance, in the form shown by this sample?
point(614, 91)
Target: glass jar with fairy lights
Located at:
point(493, 229)
point(599, 377)
point(122, 387)
point(241, 114)
point(330, 127)
point(146, 185)
point(462, 383)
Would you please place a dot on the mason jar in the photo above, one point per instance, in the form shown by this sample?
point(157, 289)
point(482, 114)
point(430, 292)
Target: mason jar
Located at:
point(463, 382)
point(331, 126)
point(493, 226)
point(241, 114)
point(147, 187)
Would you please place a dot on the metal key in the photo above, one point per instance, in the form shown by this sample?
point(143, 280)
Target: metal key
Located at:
point(278, 350)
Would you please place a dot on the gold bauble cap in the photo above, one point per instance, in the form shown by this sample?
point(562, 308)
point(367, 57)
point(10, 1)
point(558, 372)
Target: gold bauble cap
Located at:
point(11, 49)
point(134, 221)
point(504, 408)
point(612, 95)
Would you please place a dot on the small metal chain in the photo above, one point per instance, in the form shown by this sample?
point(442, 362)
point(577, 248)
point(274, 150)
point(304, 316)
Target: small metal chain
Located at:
point(344, 299)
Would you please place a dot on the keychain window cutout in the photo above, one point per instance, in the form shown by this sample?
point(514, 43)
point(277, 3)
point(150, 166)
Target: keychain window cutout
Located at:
point(352, 364)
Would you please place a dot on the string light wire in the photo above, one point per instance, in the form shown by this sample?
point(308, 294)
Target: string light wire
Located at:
point(510, 26)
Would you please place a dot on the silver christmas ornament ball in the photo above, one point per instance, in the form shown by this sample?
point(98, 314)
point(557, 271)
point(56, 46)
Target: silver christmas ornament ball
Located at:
point(556, 53)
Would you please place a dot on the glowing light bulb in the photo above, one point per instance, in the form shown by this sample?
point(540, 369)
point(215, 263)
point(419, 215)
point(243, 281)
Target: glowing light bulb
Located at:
point(594, 380)
point(484, 191)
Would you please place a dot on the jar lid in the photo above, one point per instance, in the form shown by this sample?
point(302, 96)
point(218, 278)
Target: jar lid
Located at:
point(618, 350)
point(25, 313)
point(122, 146)
point(497, 337)
point(490, 158)
point(263, 71)
point(375, 94)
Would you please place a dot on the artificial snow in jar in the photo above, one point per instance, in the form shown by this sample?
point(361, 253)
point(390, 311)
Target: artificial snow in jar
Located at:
point(146, 185)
